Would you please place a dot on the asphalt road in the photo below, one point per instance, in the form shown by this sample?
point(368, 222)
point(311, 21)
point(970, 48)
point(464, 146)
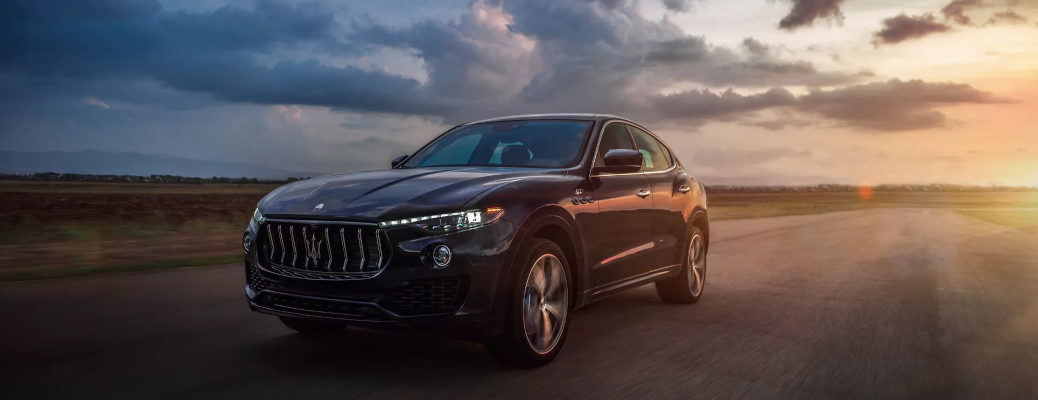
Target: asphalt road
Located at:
point(898, 303)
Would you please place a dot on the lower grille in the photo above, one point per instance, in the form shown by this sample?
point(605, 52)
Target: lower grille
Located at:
point(427, 296)
point(309, 305)
point(418, 297)
point(322, 251)
point(255, 281)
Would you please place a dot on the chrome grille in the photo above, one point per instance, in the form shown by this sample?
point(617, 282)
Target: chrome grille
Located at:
point(321, 250)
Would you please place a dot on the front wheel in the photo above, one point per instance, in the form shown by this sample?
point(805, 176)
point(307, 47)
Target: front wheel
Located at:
point(687, 287)
point(538, 310)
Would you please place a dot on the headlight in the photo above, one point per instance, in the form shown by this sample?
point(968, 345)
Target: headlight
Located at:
point(449, 222)
point(258, 217)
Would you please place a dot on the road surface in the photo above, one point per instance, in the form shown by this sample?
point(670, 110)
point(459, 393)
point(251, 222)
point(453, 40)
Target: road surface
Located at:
point(886, 303)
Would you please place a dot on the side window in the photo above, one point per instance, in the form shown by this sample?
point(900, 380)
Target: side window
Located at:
point(657, 158)
point(614, 137)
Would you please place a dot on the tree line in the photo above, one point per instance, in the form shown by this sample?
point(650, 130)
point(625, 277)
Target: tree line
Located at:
point(60, 177)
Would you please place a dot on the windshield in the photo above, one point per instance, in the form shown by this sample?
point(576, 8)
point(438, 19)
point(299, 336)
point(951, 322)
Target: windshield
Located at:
point(531, 143)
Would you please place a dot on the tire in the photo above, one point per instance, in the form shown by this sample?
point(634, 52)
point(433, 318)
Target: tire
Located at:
point(526, 340)
point(687, 287)
point(311, 327)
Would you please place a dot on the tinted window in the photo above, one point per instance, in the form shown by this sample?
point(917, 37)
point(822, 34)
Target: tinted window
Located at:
point(535, 143)
point(657, 158)
point(455, 151)
point(614, 137)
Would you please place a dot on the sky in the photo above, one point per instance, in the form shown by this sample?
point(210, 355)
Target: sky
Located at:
point(744, 91)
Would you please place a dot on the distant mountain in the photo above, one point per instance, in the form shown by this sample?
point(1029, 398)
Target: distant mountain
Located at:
point(112, 163)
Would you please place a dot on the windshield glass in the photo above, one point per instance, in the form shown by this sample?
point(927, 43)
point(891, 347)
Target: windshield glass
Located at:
point(531, 143)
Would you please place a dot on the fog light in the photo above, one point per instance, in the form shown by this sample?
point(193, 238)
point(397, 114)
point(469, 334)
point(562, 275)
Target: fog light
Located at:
point(246, 242)
point(441, 256)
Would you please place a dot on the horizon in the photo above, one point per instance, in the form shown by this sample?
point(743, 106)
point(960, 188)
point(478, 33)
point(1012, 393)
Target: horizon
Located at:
point(108, 178)
point(752, 92)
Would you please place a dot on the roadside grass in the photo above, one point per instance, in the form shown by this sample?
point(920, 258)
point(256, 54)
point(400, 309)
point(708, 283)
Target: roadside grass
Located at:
point(758, 205)
point(65, 229)
point(26, 274)
point(1025, 219)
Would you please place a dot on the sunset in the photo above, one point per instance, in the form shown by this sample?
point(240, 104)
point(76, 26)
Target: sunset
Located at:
point(666, 199)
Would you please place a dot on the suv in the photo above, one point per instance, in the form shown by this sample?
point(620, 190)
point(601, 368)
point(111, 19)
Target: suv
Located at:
point(495, 230)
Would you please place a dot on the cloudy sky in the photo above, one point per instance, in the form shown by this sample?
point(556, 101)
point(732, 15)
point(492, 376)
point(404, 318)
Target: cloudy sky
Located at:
point(746, 91)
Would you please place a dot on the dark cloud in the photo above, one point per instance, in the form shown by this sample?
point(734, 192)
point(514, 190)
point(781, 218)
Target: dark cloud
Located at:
point(756, 48)
point(577, 56)
point(678, 5)
point(609, 4)
point(805, 12)
point(111, 37)
point(498, 58)
point(956, 10)
point(893, 105)
point(704, 104)
point(218, 53)
point(1006, 17)
point(681, 50)
point(472, 58)
point(904, 27)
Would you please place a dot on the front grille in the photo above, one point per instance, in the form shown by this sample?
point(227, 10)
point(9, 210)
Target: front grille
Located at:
point(427, 296)
point(323, 251)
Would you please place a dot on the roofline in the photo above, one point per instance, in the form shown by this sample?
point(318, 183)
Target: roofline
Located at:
point(563, 116)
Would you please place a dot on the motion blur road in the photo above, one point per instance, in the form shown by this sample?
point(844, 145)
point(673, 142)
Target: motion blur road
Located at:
point(904, 303)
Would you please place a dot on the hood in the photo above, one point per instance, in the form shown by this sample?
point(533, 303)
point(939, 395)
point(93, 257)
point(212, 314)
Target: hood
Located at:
point(394, 193)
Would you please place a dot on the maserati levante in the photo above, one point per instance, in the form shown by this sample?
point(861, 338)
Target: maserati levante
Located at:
point(496, 230)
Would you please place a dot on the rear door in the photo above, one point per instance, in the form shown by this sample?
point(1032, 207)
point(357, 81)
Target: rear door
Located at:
point(670, 196)
point(618, 235)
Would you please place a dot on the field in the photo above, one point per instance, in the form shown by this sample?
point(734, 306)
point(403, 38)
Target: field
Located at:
point(55, 229)
point(60, 229)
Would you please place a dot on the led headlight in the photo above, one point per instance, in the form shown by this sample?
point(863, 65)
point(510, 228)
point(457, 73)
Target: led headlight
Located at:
point(258, 217)
point(449, 222)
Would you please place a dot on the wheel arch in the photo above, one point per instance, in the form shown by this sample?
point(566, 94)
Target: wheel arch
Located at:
point(701, 219)
point(555, 224)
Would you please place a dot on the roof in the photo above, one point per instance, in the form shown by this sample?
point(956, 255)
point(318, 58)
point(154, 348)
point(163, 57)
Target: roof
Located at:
point(571, 116)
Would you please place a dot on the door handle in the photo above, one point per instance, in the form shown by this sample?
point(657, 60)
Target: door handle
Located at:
point(684, 188)
point(643, 193)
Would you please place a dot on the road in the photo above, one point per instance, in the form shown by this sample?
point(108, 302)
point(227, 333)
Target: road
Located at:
point(888, 303)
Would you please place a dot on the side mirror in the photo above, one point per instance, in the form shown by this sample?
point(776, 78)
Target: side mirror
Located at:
point(397, 161)
point(622, 161)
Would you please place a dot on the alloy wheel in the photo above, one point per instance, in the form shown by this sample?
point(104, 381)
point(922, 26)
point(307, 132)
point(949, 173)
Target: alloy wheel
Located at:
point(545, 303)
point(697, 265)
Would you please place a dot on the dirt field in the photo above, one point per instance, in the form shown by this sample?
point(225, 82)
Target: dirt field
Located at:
point(58, 229)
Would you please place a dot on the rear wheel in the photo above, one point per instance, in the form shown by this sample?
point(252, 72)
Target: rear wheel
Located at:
point(311, 327)
point(687, 287)
point(538, 313)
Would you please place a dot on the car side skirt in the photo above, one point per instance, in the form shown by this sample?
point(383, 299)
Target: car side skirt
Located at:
point(630, 283)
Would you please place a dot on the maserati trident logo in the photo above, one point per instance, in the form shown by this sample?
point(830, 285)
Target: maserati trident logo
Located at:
point(313, 248)
point(318, 207)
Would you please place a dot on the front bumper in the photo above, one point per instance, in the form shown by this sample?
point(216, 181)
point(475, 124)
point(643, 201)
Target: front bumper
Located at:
point(461, 299)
